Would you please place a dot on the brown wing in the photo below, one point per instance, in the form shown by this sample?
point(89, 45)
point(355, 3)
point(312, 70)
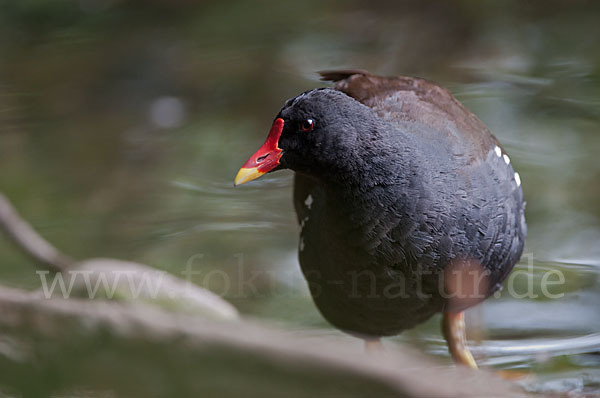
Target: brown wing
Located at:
point(418, 100)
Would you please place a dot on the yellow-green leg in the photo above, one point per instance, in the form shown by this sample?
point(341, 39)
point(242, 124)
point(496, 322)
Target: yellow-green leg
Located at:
point(453, 328)
point(373, 346)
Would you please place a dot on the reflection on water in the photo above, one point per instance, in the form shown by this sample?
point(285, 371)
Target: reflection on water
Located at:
point(121, 130)
point(542, 348)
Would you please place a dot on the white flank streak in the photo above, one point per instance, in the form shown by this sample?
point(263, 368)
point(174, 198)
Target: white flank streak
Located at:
point(303, 222)
point(498, 151)
point(518, 179)
point(308, 201)
point(506, 159)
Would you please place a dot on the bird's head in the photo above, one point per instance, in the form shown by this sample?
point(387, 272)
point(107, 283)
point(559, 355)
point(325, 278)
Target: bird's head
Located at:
point(313, 132)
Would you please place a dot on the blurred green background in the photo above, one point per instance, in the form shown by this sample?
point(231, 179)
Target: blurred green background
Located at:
point(123, 123)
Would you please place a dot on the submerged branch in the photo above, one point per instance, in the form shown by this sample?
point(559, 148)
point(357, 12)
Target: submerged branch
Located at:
point(28, 240)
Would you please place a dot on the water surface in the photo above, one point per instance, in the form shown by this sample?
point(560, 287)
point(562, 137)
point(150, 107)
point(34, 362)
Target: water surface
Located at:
point(121, 128)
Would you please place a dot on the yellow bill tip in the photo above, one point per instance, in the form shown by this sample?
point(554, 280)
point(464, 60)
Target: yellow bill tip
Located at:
point(246, 174)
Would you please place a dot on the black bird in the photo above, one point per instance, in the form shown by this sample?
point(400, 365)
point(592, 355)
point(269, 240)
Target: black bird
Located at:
point(408, 204)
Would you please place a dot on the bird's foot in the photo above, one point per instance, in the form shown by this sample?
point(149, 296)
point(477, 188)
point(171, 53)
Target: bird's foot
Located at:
point(515, 375)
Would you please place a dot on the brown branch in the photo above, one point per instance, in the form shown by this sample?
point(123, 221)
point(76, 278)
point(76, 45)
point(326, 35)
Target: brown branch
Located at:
point(28, 240)
point(139, 351)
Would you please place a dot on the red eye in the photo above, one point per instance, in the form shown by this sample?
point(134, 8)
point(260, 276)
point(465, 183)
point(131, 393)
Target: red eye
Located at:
point(307, 125)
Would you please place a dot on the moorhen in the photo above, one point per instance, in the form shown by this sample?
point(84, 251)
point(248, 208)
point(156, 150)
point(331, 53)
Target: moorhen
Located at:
point(408, 205)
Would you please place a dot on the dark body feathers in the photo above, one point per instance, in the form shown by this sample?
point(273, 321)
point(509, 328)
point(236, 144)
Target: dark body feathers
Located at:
point(428, 186)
